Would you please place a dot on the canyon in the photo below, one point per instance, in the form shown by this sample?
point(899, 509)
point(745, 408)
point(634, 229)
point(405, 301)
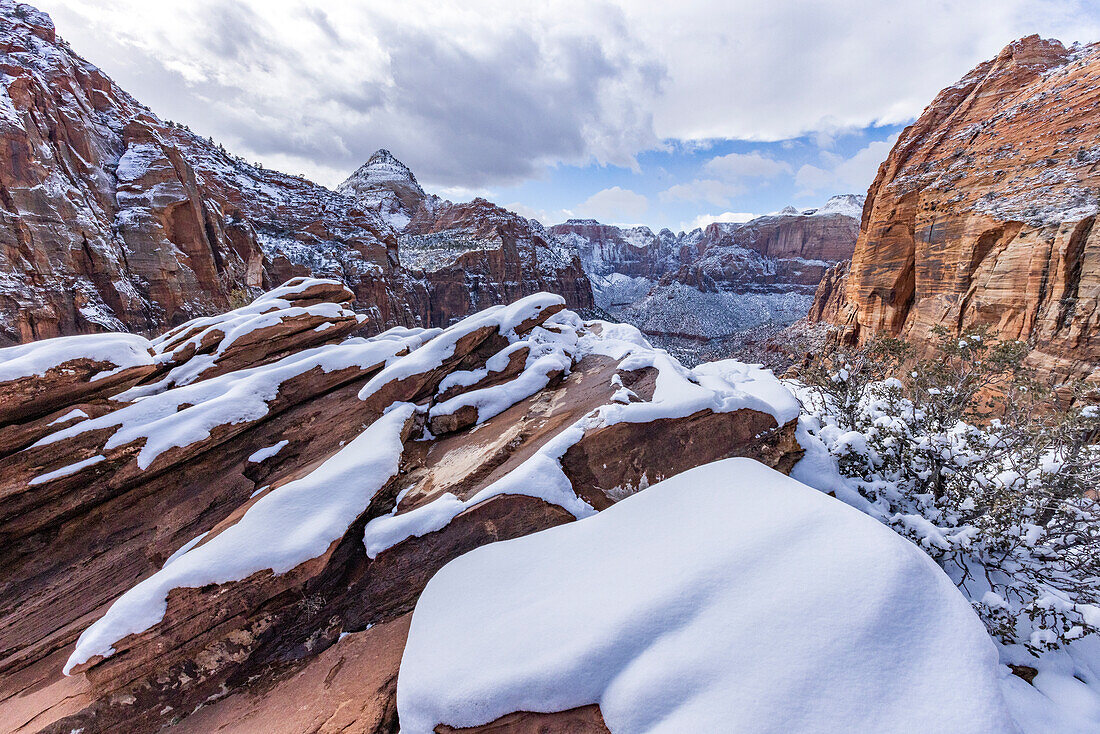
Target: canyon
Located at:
point(278, 457)
point(111, 218)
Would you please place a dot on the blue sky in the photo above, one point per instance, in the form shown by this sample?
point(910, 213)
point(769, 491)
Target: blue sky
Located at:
point(737, 178)
point(629, 111)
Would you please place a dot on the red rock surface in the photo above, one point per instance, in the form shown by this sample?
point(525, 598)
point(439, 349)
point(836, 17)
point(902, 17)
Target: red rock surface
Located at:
point(268, 647)
point(467, 256)
point(111, 218)
point(783, 252)
point(984, 213)
point(499, 256)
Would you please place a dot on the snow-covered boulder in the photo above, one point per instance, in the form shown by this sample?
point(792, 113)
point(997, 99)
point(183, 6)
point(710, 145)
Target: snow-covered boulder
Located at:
point(44, 376)
point(728, 598)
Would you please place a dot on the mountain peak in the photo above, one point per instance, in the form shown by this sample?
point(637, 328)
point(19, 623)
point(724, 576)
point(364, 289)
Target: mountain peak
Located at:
point(386, 185)
point(382, 167)
point(849, 205)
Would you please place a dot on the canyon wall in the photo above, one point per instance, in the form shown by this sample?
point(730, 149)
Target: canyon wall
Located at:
point(984, 211)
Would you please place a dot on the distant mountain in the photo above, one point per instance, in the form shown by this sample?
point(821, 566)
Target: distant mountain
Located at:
point(718, 280)
point(984, 213)
point(387, 186)
point(468, 255)
point(112, 218)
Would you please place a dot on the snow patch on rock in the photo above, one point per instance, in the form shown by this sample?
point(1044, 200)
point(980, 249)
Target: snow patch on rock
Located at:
point(727, 598)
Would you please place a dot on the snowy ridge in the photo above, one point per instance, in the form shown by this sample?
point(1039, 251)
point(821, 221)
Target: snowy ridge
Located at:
point(265, 536)
point(187, 414)
point(34, 359)
point(281, 530)
point(720, 387)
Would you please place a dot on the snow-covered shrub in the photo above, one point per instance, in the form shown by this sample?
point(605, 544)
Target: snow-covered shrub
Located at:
point(991, 472)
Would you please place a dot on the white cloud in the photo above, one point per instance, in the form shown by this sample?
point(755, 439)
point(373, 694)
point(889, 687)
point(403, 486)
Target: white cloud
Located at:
point(843, 175)
point(545, 217)
point(770, 71)
point(735, 166)
point(711, 191)
point(704, 219)
point(729, 174)
point(488, 93)
point(615, 205)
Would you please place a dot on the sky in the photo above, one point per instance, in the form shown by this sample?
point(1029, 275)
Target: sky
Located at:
point(670, 114)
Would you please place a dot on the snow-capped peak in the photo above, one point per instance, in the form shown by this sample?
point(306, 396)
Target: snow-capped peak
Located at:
point(386, 185)
point(381, 169)
point(850, 205)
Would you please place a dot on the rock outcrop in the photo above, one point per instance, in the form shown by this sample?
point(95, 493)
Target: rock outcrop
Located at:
point(635, 252)
point(712, 283)
point(232, 499)
point(984, 213)
point(468, 256)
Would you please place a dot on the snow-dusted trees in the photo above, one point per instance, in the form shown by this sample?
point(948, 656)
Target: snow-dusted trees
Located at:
point(991, 471)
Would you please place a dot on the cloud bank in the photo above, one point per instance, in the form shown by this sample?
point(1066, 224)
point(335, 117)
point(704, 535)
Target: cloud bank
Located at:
point(490, 93)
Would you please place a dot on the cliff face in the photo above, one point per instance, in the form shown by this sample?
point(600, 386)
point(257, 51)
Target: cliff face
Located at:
point(467, 256)
point(477, 254)
point(112, 218)
point(712, 282)
point(632, 251)
point(983, 213)
point(789, 251)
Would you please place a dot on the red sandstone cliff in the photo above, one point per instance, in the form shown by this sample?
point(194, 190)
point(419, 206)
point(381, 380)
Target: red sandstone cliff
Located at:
point(983, 213)
point(111, 218)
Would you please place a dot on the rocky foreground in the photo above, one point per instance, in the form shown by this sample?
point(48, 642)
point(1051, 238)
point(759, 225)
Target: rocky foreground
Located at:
point(984, 213)
point(224, 503)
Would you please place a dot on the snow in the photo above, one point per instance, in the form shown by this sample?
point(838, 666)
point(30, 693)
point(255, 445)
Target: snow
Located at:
point(549, 352)
point(705, 604)
point(223, 330)
point(184, 415)
point(287, 526)
point(848, 205)
point(503, 318)
point(379, 185)
point(720, 387)
point(1062, 697)
point(66, 471)
point(34, 359)
point(72, 414)
point(135, 162)
point(267, 452)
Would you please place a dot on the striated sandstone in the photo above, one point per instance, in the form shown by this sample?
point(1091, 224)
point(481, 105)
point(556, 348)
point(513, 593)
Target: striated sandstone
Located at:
point(984, 213)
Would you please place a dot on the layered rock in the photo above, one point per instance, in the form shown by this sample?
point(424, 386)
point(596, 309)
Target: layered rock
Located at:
point(269, 486)
point(112, 218)
point(983, 213)
point(605, 249)
point(470, 255)
point(691, 289)
point(478, 254)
